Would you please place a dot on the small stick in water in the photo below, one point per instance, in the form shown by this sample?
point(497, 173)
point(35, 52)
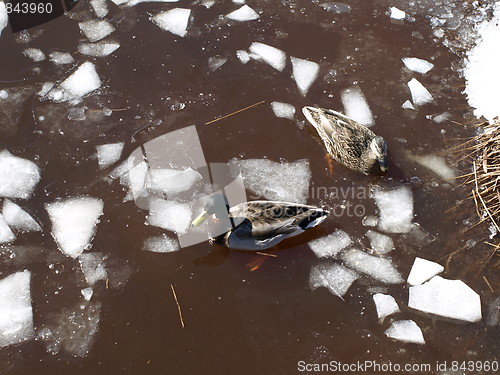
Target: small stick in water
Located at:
point(233, 113)
point(178, 306)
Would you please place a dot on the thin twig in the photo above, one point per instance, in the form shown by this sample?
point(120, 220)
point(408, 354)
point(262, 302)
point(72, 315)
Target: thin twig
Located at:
point(233, 113)
point(488, 283)
point(267, 254)
point(178, 305)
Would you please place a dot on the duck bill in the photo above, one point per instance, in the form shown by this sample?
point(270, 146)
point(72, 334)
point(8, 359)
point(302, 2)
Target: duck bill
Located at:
point(200, 219)
point(383, 165)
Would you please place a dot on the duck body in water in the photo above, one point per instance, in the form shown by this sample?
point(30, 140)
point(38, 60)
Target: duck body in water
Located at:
point(348, 142)
point(260, 225)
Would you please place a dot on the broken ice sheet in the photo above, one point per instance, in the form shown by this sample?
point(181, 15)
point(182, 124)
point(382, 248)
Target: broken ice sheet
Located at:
point(337, 8)
point(417, 65)
point(74, 222)
point(304, 73)
point(271, 55)
point(19, 219)
point(216, 62)
point(380, 269)
point(245, 13)
point(243, 56)
point(418, 236)
point(18, 177)
point(160, 244)
point(406, 331)
point(109, 154)
point(99, 49)
point(6, 234)
point(447, 298)
point(283, 110)
point(87, 293)
point(279, 181)
point(171, 181)
point(355, 105)
point(380, 243)
point(96, 30)
point(174, 20)
point(385, 304)
point(407, 105)
point(336, 278)
point(395, 209)
point(93, 268)
point(423, 270)
point(170, 215)
point(34, 54)
point(330, 245)
point(16, 314)
point(436, 164)
point(100, 7)
point(419, 94)
point(396, 14)
point(61, 58)
point(81, 82)
point(4, 17)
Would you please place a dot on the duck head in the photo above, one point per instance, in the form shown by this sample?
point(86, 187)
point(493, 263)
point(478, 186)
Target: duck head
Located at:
point(378, 148)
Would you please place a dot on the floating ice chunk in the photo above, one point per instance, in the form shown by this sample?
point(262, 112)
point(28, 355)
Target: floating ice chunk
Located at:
point(120, 2)
point(418, 236)
point(109, 154)
point(355, 105)
point(378, 268)
point(407, 105)
point(4, 94)
point(396, 14)
point(385, 304)
point(74, 222)
point(6, 234)
point(436, 164)
point(216, 62)
point(160, 244)
point(100, 7)
point(84, 80)
point(19, 219)
point(4, 17)
point(417, 65)
point(338, 8)
point(245, 13)
point(34, 54)
point(135, 179)
point(99, 49)
point(380, 243)
point(131, 3)
point(16, 314)
point(18, 177)
point(283, 110)
point(239, 1)
point(92, 265)
point(171, 181)
point(288, 182)
point(336, 278)
point(423, 270)
point(170, 215)
point(448, 298)
point(271, 55)
point(96, 30)
point(419, 93)
point(395, 208)
point(61, 58)
point(370, 221)
point(304, 73)
point(406, 331)
point(243, 56)
point(173, 20)
point(441, 117)
point(87, 293)
point(330, 245)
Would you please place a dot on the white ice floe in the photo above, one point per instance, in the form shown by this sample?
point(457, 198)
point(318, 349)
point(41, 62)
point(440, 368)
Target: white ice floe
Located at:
point(406, 331)
point(243, 56)
point(4, 17)
point(330, 245)
point(135, 178)
point(96, 30)
point(481, 71)
point(170, 215)
point(447, 298)
point(6, 234)
point(336, 278)
point(355, 106)
point(18, 177)
point(100, 7)
point(271, 55)
point(109, 154)
point(385, 304)
point(395, 209)
point(74, 222)
point(61, 58)
point(239, 1)
point(370, 221)
point(417, 65)
point(266, 179)
point(83, 81)
point(120, 2)
point(442, 117)
point(396, 14)
point(216, 62)
point(92, 265)
point(87, 293)
point(171, 181)
point(380, 269)
point(19, 219)
point(423, 270)
point(16, 314)
point(245, 13)
point(418, 236)
point(160, 244)
point(304, 73)
point(34, 54)
point(335, 7)
point(174, 20)
point(407, 105)
point(283, 110)
point(436, 164)
point(99, 49)
point(419, 94)
point(380, 243)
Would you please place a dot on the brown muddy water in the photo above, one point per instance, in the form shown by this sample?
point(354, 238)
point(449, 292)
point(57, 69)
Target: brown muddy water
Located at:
point(237, 321)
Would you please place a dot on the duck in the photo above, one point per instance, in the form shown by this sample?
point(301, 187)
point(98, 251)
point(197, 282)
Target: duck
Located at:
point(348, 142)
point(258, 225)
